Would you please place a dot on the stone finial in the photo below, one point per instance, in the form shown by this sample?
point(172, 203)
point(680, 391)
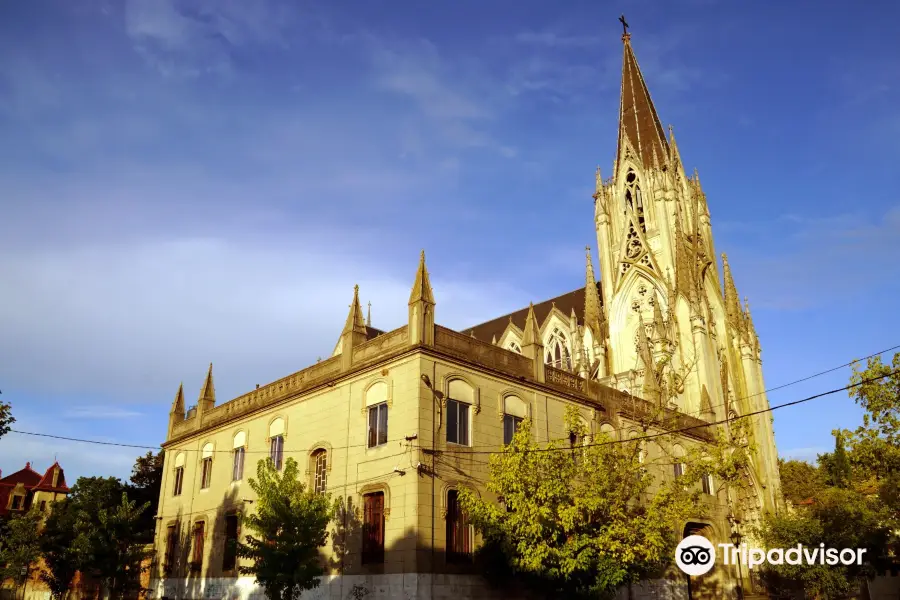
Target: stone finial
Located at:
point(178, 403)
point(532, 334)
point(421, 289)
point(355, 322)
point(207, 397)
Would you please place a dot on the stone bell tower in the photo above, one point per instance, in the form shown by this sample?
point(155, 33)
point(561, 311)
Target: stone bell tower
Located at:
point(671, 319)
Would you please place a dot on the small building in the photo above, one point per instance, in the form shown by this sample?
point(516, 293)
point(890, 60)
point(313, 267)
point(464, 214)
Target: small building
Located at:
point(26, 488)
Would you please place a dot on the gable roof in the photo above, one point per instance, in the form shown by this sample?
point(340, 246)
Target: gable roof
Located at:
point(566, 302)
point(28, 477)
point(46, 482)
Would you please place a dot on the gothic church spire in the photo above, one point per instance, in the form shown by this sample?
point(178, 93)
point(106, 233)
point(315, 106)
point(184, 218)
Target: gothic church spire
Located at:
point(593, 314)
point(639, 125)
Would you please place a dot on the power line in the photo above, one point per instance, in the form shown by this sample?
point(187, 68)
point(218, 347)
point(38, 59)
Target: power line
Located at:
point(143, 447)
point(807, 378)
point(84, 441)
point(683, 429)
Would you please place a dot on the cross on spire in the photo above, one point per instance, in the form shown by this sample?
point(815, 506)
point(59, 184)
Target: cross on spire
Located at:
point(624, 25)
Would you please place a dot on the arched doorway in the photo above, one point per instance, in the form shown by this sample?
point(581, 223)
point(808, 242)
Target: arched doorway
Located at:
point(711, 585)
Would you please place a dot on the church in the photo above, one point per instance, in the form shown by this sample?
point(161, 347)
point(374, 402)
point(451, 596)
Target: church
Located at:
point(392, 422)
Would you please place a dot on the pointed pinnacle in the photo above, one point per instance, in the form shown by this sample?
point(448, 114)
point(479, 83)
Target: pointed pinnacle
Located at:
point(178, 403)
point(208, 391)
point(355, 322)
point(532, 332)
point(421, 289)
point(659, 326)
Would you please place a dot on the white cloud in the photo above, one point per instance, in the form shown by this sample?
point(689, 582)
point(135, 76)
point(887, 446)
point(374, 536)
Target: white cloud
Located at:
point(802, 261)
point(100, 412)
point(556, 39)
point(128, 321)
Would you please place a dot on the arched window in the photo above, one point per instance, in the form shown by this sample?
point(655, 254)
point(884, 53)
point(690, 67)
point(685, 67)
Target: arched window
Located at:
point(512, 345)
point(459, 530)
point(514, 412)
point(608, 430)
point(276, 442)
point(557, 351)
point(237, 467)
point(460, 399)
point(678, 456)
point(377, 407)
point(179, 474)
point(634, 199)
point(319, 460)
point(206, 460)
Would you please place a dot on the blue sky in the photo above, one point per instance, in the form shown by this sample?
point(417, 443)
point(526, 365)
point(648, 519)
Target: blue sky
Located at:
point(186, 182)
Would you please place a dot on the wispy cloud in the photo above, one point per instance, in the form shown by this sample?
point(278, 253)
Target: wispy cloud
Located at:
point(458, 104)
point(196, 38)
point(780, 262)
point(101, 412)
point(556, 39)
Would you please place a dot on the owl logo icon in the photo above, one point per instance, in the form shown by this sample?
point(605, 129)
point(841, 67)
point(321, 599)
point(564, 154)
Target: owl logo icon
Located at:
point(695, 555)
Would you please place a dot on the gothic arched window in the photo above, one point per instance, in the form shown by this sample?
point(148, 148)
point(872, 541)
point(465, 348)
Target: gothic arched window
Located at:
point(634, 199)
point(557, 351)
point(514, 347)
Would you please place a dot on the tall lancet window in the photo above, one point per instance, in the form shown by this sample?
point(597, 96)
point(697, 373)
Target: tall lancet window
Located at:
point(557, 351)
point(634, 199)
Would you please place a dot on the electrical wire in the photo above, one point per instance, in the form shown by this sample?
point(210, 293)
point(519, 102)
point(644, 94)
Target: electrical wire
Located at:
point(462, 452)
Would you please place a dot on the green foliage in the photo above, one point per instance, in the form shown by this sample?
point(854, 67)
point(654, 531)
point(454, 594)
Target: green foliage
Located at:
point(146, 481)
point(582, 521)
point(109, 539)
point(858, 503)
point(58, 547)
point(6, 418)
point(879, 397)
point(800, 480)
point(290, 526)
point(836, 466)
point(839, 518)
point(20, 546)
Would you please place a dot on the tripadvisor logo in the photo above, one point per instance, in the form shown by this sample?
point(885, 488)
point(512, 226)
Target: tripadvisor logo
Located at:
point(696, 555)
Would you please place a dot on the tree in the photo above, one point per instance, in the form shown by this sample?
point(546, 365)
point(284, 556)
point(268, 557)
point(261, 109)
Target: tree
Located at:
point(109, 539)
point(582, 521)
point(289, 526)
point(799, 480)
point(836, 465)
point(858, 505)
point(20, 546)
point(146, 481)
point(839, 518)
point(6, 418)
point(58, 548)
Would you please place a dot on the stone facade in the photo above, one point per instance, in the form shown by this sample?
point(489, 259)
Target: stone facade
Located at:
point(403, 416)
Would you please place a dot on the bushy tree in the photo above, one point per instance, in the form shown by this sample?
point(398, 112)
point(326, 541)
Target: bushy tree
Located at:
point(582, 521)
point(20, 547)
point(799, 480)
point(58, 548)
point(109, 538)
point(289, 526)
point(838, 518)
point(146, 481)
point(858, 505)
point(6, 418)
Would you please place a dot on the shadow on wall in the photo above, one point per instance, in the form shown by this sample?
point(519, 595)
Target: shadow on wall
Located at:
point(346, 537)
point(185, 576)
